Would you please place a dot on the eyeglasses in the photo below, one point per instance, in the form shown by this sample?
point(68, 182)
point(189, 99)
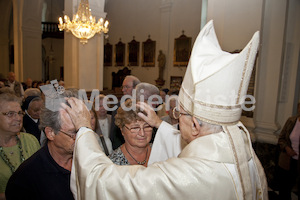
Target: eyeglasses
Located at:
point(125, 86)
point(71, 135)
point(177, 114)
point(137, 129)
point(11, 114)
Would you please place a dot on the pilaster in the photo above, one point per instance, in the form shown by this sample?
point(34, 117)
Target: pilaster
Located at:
point(268, 71)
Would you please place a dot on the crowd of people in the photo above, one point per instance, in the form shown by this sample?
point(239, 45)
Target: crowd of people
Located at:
point(42, 141)
point(156, 144)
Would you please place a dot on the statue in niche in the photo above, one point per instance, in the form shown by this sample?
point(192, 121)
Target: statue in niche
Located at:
point(161, 64)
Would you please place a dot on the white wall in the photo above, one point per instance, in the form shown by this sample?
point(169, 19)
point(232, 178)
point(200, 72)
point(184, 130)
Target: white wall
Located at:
point(141, 17)
point(235, 21)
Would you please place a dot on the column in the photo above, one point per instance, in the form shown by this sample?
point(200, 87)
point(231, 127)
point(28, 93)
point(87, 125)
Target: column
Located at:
point(83, 63)
point(164, 39)
point(268, 71)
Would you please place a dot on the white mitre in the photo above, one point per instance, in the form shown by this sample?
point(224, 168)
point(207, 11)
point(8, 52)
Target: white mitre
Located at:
point(213, 91)
point(216, 81)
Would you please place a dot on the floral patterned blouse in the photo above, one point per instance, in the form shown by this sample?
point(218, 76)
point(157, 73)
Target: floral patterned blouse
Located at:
point(118, 157)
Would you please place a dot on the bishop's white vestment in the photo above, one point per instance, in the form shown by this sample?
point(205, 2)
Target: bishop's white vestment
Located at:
point(205, 169)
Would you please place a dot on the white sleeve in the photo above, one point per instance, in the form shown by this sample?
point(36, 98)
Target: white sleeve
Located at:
point(22, 90)
point(167, 143)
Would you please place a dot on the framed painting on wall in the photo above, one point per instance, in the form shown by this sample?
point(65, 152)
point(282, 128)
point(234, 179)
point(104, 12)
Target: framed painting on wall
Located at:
point(108, 49)
point(133, 53)
point(120, 53)
point(182, 50)
point(148, 58)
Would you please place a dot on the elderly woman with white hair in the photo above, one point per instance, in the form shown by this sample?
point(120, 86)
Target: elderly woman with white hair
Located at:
point(148, 93)
point(15, 146)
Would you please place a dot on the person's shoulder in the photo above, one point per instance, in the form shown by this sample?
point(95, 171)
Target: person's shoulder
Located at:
point(30, 165)
point(293, 118)
point(27, 119)
point(28, 137)
point(30, 140)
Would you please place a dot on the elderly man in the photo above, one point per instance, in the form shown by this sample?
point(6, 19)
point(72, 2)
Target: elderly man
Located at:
point(128, 85)
point(46, 175)
point(218, 162)
point(14, 85)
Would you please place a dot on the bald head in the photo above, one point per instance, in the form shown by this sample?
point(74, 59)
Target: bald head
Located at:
point(11, 77)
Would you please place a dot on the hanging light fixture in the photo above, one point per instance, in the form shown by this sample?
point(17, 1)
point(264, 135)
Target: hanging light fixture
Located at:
point(83, 24)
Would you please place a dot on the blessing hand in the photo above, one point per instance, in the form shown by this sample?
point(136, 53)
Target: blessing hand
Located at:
point(78, 113)
point(152, 119)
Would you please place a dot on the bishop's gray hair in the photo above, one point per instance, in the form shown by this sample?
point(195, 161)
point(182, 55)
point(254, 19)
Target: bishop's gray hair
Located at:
point(213, 128)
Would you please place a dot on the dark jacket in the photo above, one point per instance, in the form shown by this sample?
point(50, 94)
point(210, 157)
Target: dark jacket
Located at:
point(284, 140)
point(31, 127)
point(39, 177)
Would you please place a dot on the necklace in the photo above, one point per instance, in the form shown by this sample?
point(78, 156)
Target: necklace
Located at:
point(140, 163)
point(6, 159)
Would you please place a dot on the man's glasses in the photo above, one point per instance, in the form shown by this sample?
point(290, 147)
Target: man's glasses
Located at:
point(137, 129)
point(11, 114)
point(125, 87)
point(177, 114)
point(71, 135)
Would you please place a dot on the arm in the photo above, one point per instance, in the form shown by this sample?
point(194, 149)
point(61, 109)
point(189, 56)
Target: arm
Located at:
point(167, 142)
point(283, 140)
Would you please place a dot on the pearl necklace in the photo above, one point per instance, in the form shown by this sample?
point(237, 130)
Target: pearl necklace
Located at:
point(6, 159)
point(140, 163)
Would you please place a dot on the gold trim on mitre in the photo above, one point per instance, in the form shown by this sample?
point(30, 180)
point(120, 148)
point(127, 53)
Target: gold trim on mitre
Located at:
point(216, 81)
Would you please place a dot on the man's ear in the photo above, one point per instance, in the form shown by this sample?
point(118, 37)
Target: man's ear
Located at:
point(49, 132)
point(196, 129)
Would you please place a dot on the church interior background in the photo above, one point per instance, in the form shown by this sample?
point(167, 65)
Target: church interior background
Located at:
point(32, 47)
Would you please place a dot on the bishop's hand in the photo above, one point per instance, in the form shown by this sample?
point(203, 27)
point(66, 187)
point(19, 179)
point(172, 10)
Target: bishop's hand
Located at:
point(78, 113)
point(151, 118)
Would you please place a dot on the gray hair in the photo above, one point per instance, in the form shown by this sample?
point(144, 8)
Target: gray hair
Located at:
point(135, 80)
point(52, 119)
point(9, 97)
point(6, 90)
point(32, 92)
point(212, 128)
point(146, 89)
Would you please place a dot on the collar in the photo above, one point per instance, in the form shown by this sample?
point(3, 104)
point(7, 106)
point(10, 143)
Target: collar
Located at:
point(214, 147)
point(35, 120)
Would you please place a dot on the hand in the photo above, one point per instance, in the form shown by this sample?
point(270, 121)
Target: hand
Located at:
point(78, 113)
point(290, 151)
point(152, 119)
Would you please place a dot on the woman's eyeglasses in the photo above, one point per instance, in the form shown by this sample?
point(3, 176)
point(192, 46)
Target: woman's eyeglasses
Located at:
point(137, 129)
point(11, 114)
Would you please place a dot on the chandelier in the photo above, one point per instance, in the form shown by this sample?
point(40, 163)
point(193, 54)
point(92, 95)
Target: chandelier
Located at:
point(83, 24)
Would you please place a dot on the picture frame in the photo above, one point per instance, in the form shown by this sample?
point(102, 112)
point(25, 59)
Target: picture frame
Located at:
point(133, 52)
point(182, 50)
point(148, 58)
point(120, 53)
point(175, 83)
point(108, 52)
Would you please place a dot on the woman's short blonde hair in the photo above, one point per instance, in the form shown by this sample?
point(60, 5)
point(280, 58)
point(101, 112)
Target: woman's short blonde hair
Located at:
point(127, 116)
